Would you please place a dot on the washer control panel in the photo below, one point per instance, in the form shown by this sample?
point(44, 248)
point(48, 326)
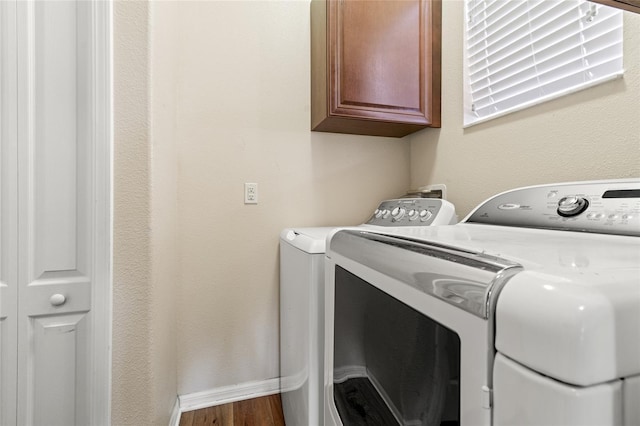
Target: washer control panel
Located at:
point(607, 207)
point(413, 212)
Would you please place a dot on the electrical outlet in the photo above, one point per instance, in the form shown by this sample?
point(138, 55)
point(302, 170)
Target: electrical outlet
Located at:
point(438, 187)
point(251, 193)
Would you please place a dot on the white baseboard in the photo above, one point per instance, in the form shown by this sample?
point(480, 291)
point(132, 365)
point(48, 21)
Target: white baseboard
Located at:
point(226, 394)
point(175, 414)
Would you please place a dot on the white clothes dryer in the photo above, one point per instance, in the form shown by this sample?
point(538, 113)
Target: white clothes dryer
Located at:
point(302, 252)
point(525, 313)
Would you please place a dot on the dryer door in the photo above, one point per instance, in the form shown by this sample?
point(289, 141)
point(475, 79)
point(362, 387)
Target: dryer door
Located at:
point(408, 323)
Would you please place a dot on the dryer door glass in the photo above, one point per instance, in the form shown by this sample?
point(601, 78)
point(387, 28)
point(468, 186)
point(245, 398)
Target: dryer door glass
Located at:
point(392, 364)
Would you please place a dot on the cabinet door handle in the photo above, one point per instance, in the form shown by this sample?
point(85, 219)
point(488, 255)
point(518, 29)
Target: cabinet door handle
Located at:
point(57, 299)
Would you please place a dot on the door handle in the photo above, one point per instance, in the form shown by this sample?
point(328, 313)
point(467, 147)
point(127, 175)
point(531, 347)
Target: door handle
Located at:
point(57, 299)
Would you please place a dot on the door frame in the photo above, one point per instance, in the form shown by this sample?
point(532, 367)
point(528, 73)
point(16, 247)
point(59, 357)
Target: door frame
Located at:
point(103, 219)
point(8, 213)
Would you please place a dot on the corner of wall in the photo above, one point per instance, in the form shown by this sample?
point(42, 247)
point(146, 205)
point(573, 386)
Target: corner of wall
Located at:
point(144, 380)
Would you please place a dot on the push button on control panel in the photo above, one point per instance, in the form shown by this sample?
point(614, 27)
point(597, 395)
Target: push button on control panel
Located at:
point(595, 215)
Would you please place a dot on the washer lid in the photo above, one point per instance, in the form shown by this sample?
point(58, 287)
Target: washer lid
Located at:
point(309, 240)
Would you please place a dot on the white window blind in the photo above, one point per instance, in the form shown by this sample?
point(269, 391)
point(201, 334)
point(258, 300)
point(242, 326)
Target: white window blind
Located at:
point(523, 52)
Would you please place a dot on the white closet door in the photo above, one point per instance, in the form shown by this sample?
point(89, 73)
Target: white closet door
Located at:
point(57, 204)
point(8, 214)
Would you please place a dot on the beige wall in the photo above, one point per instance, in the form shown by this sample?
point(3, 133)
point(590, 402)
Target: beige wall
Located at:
point(145, 222)
point(243, 116)
point(209, 95)
point(164, 209)
point(593, 134)
point(131, 257)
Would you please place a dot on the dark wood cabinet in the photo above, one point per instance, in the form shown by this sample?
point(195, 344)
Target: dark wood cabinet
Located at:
point(630, 5)
point(375, 66)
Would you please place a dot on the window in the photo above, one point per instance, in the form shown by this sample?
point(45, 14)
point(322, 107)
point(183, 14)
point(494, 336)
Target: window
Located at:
point(520, 53)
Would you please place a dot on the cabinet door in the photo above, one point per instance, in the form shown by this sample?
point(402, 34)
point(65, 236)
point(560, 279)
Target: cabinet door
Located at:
point(8, 214)
point(630, 5)
point(382, 74)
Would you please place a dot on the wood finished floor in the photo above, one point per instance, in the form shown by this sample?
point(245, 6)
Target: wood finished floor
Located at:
point(263, 411)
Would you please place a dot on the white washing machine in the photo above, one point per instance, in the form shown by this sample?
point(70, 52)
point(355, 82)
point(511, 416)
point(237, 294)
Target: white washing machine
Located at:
point(525, 313)
point(302, 253)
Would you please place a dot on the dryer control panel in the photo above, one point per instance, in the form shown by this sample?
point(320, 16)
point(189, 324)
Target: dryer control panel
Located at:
point(606, 207)
point(413, 212)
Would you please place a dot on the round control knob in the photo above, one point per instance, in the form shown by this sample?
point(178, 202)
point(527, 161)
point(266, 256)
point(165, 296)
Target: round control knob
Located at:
point(57, 299)
point(425, 215)
point(572, 206)
point(413, 214)
point(378, 213)
point(397, 213)
point(385, 213)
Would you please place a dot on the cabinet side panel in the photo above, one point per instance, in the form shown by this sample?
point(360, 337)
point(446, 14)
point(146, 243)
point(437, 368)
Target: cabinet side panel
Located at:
point(433, 63)
point(319, 109)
